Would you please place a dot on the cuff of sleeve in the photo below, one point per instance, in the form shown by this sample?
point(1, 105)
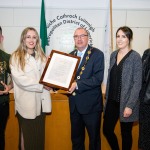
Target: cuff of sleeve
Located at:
point(77, 87)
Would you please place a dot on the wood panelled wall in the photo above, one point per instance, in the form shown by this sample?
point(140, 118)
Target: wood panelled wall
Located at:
point(57, 128)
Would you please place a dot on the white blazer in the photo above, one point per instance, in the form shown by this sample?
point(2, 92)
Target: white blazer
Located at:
point(30, 96)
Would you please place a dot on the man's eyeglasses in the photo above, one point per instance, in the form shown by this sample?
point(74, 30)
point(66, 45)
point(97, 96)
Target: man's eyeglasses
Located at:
point(79, 36)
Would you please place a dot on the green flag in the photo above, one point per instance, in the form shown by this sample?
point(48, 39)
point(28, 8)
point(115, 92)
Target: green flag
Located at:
point(43, 28)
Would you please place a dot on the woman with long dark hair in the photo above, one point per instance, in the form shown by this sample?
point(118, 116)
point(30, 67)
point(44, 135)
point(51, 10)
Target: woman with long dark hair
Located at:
point(122, 92)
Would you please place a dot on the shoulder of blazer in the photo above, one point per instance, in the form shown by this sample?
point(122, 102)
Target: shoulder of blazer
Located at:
point(74, 52)
point(146, 54)
point(134, 56)
point(95, 51)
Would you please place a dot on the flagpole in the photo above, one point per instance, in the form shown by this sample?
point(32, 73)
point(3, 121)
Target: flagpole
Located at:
point(108, 39)
point(43, 27)
point(111, 26)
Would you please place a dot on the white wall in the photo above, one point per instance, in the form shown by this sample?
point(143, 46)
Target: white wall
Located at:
point(117, 4)
point(15, 15)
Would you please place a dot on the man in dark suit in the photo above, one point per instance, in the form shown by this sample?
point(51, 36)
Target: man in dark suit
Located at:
point(85, 98)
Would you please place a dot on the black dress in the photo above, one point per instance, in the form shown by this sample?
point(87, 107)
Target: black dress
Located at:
point(144, 116)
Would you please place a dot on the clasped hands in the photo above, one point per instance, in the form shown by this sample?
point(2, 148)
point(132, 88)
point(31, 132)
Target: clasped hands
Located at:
point(6, 88)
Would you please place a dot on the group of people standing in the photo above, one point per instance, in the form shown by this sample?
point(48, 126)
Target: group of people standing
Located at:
point(127, 92)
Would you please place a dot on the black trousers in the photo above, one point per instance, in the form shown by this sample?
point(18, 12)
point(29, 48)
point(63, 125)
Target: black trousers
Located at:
point(144, 127)
point(92, 123)
point(110, 120)
point(4, 113)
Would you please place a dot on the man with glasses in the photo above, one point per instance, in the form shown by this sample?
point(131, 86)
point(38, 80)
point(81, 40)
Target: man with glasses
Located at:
point(4, 96)
point(85, 98)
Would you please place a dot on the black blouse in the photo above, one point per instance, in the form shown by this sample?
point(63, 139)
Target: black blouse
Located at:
point(116, 79)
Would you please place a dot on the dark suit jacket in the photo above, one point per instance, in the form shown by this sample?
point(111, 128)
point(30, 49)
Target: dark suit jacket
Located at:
point(145, 91)
point(88, 97)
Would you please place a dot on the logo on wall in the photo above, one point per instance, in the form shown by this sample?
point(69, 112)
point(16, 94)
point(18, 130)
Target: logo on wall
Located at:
point(61, 30)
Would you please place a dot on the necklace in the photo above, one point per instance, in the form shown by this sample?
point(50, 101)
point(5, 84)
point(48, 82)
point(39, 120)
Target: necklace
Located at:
point(83, 67)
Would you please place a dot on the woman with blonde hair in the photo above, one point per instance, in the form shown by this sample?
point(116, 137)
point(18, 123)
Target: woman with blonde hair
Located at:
point(32, 99)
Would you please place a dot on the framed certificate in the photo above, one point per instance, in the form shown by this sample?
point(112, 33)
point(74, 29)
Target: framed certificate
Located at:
point(60, 70)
